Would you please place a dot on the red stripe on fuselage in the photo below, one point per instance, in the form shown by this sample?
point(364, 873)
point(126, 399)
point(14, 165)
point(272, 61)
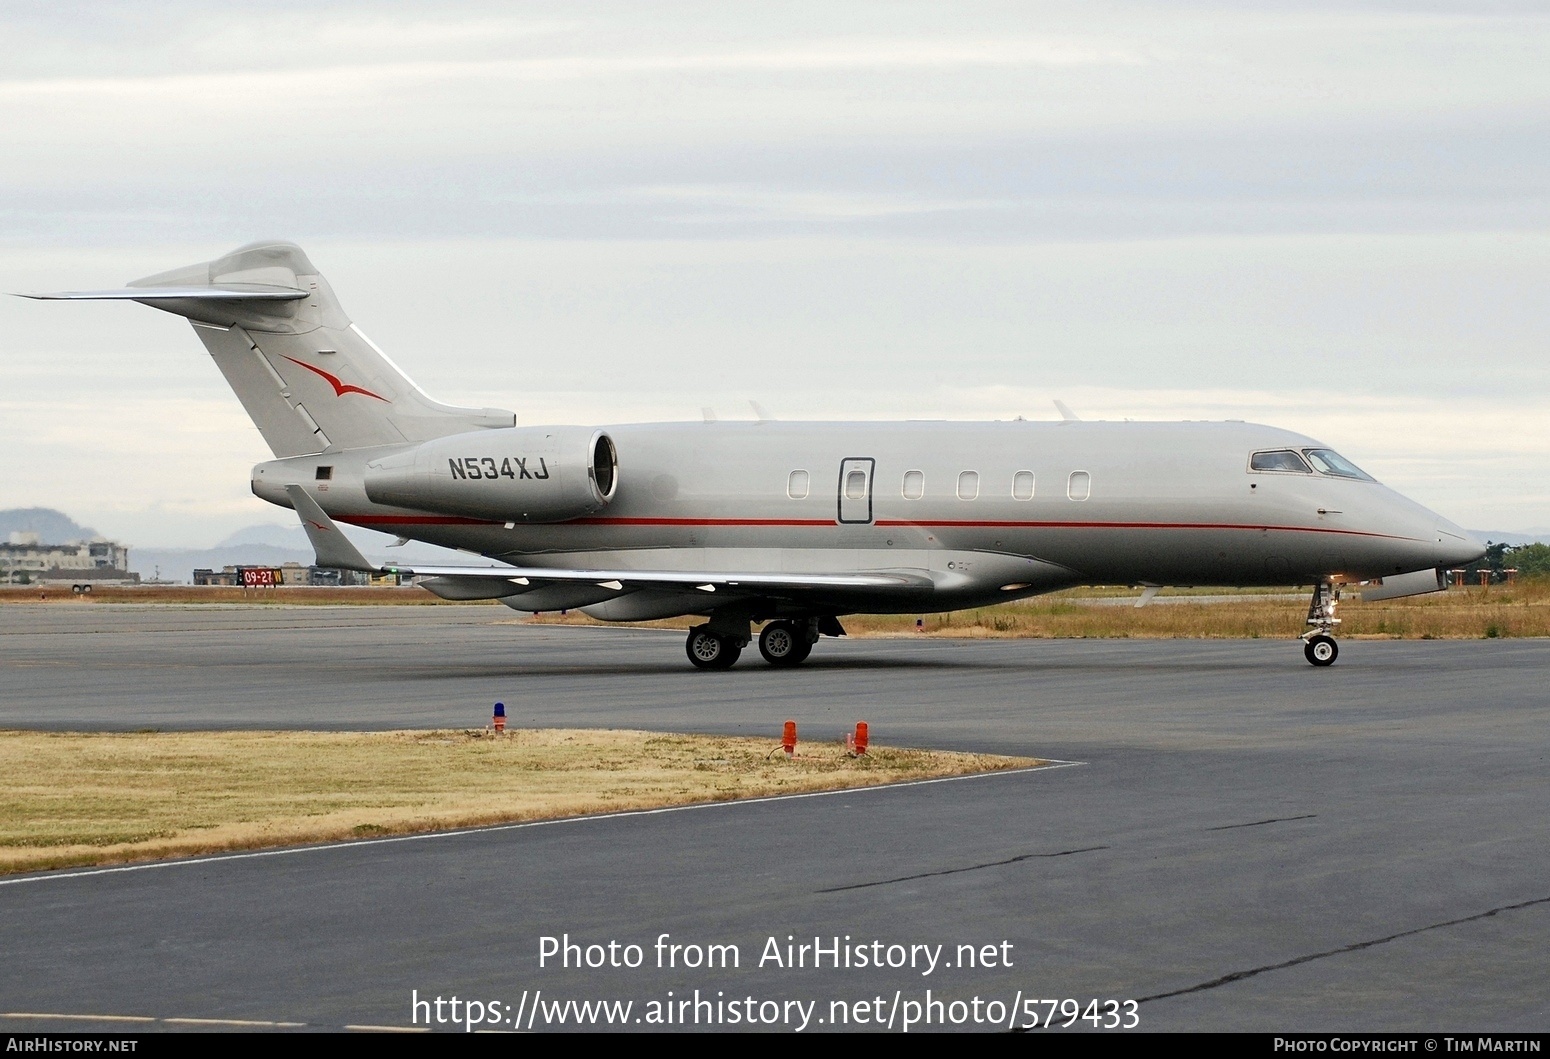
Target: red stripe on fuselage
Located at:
point(600, 520)
point(990, 524)
point(448, 520)
point(413, 520)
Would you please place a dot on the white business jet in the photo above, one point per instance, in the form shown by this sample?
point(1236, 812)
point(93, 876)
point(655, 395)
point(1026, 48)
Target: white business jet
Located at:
point(786, 525)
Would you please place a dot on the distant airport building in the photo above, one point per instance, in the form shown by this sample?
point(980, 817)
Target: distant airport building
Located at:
point(288, 574)
point(24, 559)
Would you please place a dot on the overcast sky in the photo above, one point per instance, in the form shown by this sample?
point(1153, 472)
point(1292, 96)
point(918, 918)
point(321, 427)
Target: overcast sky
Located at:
point(1330, 217)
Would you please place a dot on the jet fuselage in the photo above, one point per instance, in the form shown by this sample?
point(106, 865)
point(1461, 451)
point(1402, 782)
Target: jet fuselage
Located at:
point(1014, 507)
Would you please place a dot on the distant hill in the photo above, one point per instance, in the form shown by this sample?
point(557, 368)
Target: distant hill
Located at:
point(1513, 537)
point(271, 545)
point(266, 544)
point(277, 536)
point(179, 564)
point(52, 527)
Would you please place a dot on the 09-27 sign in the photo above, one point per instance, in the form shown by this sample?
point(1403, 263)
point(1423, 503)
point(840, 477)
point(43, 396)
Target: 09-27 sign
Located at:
point(261, 577)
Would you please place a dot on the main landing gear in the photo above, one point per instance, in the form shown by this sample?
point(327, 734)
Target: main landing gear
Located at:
point(1318, 645)
point(707, 650)
point(786, 642)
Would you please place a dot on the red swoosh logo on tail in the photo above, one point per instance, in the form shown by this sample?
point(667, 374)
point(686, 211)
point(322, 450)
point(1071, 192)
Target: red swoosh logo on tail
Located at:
point(340, 388)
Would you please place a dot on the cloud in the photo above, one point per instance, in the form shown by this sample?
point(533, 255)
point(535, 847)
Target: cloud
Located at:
point(1331, 218)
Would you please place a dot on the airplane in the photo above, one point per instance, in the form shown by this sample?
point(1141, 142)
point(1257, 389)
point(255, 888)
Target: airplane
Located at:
point(785, 525)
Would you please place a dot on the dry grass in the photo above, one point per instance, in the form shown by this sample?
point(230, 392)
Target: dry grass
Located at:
point(1457, 614)
point(69, 799)
point(290, 595)
point(1461, 613)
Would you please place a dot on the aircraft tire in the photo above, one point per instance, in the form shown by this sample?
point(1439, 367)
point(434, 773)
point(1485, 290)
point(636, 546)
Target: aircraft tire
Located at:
point(709, 651)
point(782, 644)
point(1321, 650)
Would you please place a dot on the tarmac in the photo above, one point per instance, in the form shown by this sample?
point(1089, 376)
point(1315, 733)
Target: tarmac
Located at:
point(1238, 841)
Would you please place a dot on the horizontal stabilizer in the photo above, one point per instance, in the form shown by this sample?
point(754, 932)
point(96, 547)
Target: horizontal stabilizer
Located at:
point(225, 292)
point(333, 548)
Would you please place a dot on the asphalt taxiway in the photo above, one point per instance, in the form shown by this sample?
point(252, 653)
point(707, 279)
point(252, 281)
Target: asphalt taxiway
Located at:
point(1247, 842)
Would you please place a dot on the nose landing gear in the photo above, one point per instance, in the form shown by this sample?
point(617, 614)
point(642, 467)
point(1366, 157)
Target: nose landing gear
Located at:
point(1321, 650)
point(1318, 645)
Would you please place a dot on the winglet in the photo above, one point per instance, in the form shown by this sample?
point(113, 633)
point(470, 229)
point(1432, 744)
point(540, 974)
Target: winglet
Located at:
point(1066, 413)
point(333, 548)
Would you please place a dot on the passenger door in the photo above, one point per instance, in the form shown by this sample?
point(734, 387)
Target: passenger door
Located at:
point(855, 490)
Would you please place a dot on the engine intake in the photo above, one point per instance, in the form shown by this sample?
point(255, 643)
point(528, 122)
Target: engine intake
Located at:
point(521, 474)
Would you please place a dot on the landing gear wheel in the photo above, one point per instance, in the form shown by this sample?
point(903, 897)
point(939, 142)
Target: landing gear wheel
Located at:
point(709, 651)
point(1321, 650)
point(782, 643)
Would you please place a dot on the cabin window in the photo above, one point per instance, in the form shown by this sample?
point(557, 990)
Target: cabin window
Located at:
point(1328, 461)
point(1022, 485)
point(855, 485)
point(325, 474)
point(968, 485)
point(914, 485)
point(797, 485)
point(1079, 486)
point(1279, 460)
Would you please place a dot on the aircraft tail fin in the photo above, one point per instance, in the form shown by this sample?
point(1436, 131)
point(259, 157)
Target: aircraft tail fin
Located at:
point(308, 377)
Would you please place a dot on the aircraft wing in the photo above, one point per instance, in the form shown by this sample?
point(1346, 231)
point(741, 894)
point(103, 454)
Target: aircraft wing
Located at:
point(334, 550)
point(702, 580)
point(224, 292)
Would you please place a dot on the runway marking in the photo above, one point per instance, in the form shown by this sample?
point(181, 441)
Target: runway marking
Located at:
point(1238, 976)
point(232, 1022)
point(77, 1018)
point(1261, 823)
point(495, 828)
point(955, 871)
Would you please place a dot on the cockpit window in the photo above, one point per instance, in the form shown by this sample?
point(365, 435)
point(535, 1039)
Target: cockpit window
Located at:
point(1328, 461)
point(1279, 460)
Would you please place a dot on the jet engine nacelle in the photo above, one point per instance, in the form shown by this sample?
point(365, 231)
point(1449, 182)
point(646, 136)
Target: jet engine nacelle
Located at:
point(521, 474)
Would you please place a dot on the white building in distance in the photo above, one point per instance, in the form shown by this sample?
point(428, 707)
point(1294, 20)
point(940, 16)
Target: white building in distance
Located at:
point(24, 559)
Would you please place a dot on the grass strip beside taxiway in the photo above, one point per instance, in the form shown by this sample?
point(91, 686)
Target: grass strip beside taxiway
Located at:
point(1521, 610)
point(69, 799)
point(1476, 612)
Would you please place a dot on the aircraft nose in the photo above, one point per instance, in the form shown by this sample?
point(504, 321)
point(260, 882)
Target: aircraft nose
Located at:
point(1457, 547)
